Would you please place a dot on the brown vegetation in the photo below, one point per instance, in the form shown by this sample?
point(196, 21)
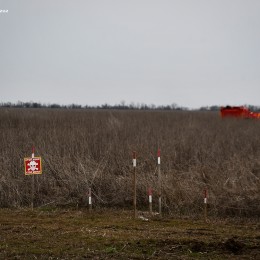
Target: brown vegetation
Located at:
point(76, 234)
point(91, 148)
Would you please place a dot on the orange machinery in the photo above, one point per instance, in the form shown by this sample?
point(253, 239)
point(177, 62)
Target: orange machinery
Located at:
point(239, 112)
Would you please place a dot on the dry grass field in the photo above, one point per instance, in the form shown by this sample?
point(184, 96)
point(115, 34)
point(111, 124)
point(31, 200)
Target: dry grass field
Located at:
point(93, 148)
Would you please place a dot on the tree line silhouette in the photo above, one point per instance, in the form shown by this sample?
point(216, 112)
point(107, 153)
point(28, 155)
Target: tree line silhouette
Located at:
point(122, 105)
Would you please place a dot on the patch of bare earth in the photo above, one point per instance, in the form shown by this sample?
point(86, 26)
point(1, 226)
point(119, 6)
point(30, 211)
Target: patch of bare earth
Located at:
point(71, 234)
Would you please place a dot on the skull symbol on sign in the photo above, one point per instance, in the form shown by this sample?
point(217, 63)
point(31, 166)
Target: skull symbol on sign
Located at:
point(33, 165)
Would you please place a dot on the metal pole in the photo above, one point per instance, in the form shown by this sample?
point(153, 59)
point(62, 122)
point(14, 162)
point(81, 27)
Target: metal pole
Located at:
point(134, 184)
point(159, 182)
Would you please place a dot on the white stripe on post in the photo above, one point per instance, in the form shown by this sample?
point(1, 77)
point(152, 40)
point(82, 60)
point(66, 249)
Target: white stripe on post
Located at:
point(150, 191)
point(159, 156)
point(89, 199)
point(205, 197)
point(134, 162)
point(89, 196)
point(205, 205)
point(134, 159)
point(150, 195)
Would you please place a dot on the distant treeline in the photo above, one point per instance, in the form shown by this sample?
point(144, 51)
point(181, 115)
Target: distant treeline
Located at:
point(122, 105)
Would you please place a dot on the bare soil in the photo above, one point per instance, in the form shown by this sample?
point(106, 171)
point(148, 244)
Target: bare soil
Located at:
point(110, 234)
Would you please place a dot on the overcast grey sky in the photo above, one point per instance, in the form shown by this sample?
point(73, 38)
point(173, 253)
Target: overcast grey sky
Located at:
point(189, 52)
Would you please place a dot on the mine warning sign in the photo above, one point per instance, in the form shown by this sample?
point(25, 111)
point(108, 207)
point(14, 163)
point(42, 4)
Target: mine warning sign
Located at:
point(33, 165)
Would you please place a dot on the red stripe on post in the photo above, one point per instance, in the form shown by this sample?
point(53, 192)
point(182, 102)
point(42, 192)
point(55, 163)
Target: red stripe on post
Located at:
point(33, 152)
point(134, 155)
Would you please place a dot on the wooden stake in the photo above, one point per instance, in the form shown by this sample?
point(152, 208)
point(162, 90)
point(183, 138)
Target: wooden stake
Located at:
point(159, 182)
point(134, 185)
point(205, 205)
point(150, 200)
point(89, 200)
point(32, 192)
point(32, 188)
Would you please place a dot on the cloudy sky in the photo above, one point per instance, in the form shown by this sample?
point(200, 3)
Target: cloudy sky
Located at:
point(189, 52)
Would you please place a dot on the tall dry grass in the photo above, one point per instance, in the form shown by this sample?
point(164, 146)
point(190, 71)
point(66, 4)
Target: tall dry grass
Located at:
point(93, 148)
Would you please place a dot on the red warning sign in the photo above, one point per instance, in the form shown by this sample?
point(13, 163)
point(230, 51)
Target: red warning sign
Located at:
point(33, 165)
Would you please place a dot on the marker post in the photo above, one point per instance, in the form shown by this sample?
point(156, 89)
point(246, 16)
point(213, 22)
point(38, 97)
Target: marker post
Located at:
point(159, 182)
point(32, 188)
point(150, 200)
point(32, 166)
point(205, 205)
point(134, 184)
point(89, 200)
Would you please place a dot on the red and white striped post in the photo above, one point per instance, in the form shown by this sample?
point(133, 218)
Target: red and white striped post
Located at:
point(159, 181)
point(33, 148)
point(150, 197)
point(89, 200)
point(134, 184)
point(205, 204)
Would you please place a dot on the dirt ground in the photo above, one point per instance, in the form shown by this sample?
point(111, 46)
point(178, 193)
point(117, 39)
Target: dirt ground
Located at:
point(79, 234)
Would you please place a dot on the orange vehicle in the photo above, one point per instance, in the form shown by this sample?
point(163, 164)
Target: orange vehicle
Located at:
point(239, 112)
